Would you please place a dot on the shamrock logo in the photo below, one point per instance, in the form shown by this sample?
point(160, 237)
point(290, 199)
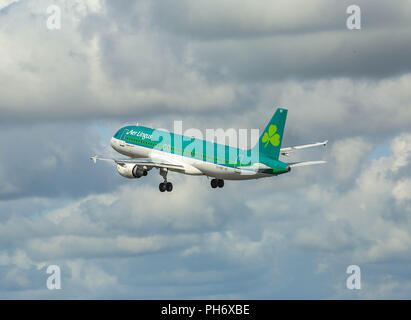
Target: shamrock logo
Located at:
point(271, 136)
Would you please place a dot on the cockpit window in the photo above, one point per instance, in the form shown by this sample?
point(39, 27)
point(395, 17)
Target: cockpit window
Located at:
point(117, 135)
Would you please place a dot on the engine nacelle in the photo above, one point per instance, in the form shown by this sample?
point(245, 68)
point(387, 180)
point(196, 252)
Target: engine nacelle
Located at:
point(131, 171)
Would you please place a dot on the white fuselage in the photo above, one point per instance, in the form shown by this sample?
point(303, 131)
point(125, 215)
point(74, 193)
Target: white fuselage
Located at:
point(191, 165)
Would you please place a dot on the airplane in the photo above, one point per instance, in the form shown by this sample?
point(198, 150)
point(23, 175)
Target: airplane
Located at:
point(147, 148)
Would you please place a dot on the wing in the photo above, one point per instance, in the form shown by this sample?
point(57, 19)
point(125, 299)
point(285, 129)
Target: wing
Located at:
point(287, 151)
point(305, 163)
point(148, 162)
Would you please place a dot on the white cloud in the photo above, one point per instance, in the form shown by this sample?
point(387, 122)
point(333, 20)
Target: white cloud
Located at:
point(6, 3)
point(366, 217)
point(402, 190)
point(89, 278)
point(348, 155)
point(73, 75)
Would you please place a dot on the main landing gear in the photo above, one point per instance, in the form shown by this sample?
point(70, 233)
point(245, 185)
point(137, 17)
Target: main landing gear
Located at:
point(217, 183)
point(165, 186)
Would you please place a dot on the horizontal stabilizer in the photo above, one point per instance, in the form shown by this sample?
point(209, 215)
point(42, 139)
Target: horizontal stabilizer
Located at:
point(305, 163)
point(287, 151)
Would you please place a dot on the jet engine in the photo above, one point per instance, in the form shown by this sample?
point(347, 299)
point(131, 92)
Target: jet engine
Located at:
point(131, 171)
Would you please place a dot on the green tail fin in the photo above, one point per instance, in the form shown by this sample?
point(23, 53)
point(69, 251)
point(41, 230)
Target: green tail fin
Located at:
point(269, 143)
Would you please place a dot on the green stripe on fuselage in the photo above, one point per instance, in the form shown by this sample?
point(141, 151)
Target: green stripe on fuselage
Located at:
point(195, 148)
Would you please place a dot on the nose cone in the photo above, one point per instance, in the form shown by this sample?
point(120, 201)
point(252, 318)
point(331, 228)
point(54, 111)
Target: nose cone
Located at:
point(113, 142)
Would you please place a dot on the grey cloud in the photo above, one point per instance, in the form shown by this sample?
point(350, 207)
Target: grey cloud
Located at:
point(246, 19)
point(51, 160)
point(366, 54)
point(98, 67)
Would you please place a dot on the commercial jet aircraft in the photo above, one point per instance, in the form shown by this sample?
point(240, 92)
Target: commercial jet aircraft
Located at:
point(148, 148)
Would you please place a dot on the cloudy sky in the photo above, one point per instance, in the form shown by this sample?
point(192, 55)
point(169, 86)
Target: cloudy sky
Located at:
point(211, 64)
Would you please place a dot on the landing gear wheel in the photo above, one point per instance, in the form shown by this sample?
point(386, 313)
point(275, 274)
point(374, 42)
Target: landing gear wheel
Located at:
point(220, 183)
point(214, 183)
point(164, 186)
